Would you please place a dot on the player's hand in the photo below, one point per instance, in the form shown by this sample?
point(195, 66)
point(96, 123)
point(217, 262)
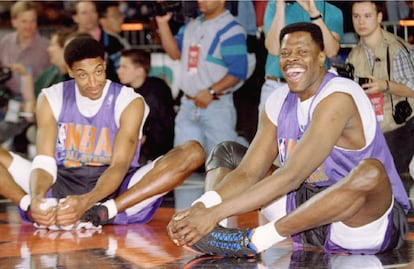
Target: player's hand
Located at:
point(70, 210)
point(171, 227)
point(198, 222)
point(165, 18)
point(41, 213)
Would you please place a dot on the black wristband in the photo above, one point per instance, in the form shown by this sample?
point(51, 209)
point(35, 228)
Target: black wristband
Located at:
point(317, 17)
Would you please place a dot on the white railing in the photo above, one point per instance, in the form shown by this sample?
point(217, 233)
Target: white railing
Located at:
point(396, 25)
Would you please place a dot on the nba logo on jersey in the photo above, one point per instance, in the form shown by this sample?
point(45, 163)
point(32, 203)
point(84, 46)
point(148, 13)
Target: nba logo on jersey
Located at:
point(61, 141)
point(282, 150)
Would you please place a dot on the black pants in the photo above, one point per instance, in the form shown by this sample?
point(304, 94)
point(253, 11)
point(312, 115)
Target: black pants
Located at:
point(401, 144)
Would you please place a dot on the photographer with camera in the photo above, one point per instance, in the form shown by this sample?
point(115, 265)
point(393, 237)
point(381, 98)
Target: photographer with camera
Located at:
point(213, 64)
point(387, 62)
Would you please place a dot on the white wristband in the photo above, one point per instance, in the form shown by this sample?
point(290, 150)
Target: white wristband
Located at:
point(209, 199)
point(25, 202)
point(46, 163)
point(111, 206)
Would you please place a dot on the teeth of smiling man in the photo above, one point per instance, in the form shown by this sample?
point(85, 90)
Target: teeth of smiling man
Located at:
point(294, 73)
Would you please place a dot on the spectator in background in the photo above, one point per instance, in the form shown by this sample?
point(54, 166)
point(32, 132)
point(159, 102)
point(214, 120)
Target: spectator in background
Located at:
point(24, 46)
point(58, 71)
point(25, 52)
point(245, 14)
point(213, 53)
point(386, 61)
point(280, 13)
point(85, 15)
point(158, 133)
point(111, 20)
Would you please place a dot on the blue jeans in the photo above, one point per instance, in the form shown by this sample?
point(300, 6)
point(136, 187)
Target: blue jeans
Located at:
point(209, 126)
point(268, 87)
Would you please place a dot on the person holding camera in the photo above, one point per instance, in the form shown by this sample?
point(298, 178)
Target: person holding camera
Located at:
point(386, 61)
point(213, 63)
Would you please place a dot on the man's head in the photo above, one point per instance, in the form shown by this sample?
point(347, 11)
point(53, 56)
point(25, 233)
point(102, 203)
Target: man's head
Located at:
point(56, 47)
point(85, 16)
point(366, 17)
point(110, 17)
point(211, 8)
point(24, 18)
point(134, 66)
point(85, 58)
point(302, 57)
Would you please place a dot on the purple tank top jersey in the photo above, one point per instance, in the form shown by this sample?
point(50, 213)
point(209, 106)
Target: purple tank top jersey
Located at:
point(340, 162)
point(85, 140)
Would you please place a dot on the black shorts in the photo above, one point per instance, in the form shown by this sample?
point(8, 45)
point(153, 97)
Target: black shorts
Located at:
point(319, 237)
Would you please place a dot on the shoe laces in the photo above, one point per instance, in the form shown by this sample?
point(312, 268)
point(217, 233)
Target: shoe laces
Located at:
point(233, 241)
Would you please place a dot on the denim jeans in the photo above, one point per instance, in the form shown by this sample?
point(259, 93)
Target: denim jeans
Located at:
point(209, 126)
point(268, 87)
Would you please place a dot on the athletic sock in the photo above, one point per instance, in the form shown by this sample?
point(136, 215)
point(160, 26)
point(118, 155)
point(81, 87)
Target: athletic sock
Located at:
point(111, 206)
point(265, 236)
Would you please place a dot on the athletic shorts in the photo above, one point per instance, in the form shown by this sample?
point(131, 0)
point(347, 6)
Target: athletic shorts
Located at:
point(77, 181)
point(386, 233)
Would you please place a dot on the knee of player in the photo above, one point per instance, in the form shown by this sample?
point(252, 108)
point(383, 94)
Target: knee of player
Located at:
point(225, 154)
point(367, 175)
point(189, 155)
point(195, 152)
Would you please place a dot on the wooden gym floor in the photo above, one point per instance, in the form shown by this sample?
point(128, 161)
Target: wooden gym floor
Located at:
point(148, 246)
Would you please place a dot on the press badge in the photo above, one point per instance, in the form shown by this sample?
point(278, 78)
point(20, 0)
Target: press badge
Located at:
point(193, 58)
point(377, 101)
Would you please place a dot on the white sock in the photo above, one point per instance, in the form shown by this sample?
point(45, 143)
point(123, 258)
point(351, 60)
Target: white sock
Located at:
point(265, 236)
point(25, 202)
point(111, 206)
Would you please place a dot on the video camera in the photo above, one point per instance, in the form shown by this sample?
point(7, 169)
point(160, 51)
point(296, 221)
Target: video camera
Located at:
point(163, 7)
point(344, 70)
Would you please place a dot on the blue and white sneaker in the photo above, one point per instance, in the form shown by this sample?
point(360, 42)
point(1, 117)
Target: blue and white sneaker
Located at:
point(228, 242)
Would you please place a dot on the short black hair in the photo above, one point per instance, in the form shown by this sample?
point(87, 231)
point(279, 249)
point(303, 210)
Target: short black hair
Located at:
point(311, 28)
point(81, 48)
point(103, 6)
